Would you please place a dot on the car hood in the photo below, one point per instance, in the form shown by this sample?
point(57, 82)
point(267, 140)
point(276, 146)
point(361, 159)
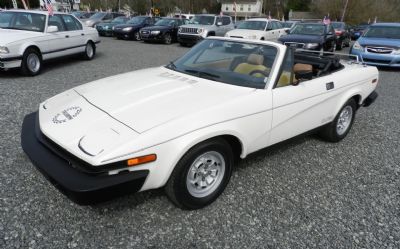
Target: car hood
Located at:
point(301, 38)
point(12, 35)
point(245, 32)
point(369, 41)
point(149, 98)
point(110, 24)
point(157, 28)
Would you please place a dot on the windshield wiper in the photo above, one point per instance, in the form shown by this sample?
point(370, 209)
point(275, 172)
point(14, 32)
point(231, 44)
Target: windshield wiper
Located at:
point(203, 74)
point(171, 65)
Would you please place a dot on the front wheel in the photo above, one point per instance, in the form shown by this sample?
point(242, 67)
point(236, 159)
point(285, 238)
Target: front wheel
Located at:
point(341, 125)
point(167, 39)
point(201, 175)
point(31, 62)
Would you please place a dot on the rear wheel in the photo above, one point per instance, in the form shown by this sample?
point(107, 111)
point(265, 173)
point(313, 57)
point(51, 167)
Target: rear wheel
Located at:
point(31, 62)
point(90, 51)
point(341, 125)
point(201, 175)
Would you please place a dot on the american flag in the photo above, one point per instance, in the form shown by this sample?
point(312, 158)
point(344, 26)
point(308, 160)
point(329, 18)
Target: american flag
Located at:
point(49, 7)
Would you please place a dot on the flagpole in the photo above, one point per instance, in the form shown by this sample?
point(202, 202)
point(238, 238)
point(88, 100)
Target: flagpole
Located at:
point(344, 10)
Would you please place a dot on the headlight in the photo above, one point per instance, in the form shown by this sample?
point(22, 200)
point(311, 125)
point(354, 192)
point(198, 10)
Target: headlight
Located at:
point(127, 29)
point(199, 31)
point(113, 28)
point(106, 27)
point(95, 26)
point(155, 32)
point(396, 51)
point(4, 50)
point(180, 30)
point(357, 46)
point(311, 45)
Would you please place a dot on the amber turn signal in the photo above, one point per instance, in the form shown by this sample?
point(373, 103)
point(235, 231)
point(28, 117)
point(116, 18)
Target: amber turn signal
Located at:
point(141, 160)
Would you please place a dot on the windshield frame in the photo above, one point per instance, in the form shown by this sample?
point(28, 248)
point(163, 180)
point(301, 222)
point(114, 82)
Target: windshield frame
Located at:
point(15, 13)
point(196, 16)
point(309, 24)
point(273, 73)
point(255, 21)
point(381, 27)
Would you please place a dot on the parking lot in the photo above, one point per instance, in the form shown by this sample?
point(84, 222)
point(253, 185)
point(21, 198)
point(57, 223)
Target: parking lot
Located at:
point(304, 193)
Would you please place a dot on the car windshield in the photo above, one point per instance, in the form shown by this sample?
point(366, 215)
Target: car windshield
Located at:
point(337, 25)
point(389, 32)
point(165, 22)
point(98, 15)
point(231, 62)
point(22, 21)
point(253, 25)
point(137, 20)
point(308, 29)
point(119, 20)
point(202, 20)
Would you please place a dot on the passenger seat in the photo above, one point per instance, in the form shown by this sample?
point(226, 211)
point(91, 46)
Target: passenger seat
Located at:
point(284, 80)
point(254, 62)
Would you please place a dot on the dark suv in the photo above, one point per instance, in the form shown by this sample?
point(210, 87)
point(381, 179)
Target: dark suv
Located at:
point(165, 30)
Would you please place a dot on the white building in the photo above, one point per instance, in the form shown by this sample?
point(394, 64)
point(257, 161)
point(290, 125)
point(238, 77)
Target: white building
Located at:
point(244, 8)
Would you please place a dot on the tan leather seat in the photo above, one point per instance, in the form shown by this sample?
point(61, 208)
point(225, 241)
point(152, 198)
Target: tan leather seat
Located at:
point(284, 80)
point(254, 62)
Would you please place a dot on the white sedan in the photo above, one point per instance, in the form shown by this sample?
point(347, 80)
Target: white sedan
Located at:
point(27, 38)
point(182, 126)
point(258, 29)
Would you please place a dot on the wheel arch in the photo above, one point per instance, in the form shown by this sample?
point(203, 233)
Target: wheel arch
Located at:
point(33, 46)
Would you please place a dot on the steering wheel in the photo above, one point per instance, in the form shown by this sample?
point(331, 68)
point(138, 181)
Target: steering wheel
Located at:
point(266, 74)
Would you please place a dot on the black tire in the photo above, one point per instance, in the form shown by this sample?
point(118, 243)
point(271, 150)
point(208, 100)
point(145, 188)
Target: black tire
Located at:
point(176, 187)
point(136, 36)
point(183, 44)
point(340, 45)
point(167, 38)
point(330, 132)
point(30, 70)
point(90, 51)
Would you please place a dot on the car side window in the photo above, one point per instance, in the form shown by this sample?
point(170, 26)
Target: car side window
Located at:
point(269, 26)
point(70, 23)
point(278, 25)
point(108, 16)
point(56, 20)
point(286, 77)
point(226, 20)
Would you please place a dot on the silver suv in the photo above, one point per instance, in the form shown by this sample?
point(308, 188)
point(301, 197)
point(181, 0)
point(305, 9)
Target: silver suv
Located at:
point(202, 26)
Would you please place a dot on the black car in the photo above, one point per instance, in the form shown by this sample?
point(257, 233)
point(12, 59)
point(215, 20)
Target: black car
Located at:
point(342, 34)
point(131, 29)
point(106, 28)
point(311, 36)
point(165, 30)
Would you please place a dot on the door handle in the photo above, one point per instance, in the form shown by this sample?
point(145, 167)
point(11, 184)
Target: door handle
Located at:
point(67, 36)
point(330, 86)
point(82, 34)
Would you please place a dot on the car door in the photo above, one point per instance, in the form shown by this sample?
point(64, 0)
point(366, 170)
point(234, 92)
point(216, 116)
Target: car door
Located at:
point(57, 43)
point(76, 35)
point(300, 108)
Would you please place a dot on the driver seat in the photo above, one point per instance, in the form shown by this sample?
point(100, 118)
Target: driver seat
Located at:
point(254, 62)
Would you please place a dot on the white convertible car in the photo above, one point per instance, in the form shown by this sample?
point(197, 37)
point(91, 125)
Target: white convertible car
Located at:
point(258, 29)
point(181, 126)
point(27, 38)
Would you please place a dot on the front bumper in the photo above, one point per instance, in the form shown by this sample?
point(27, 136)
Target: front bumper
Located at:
point(123, 34)
point(10, 62)
point(150, 37)
point(189, 39)
point(105, 32)
point(83, 188)
point(370, 99)
point(384, 60)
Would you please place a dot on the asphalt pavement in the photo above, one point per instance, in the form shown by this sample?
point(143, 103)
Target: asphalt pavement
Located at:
point(304, 193)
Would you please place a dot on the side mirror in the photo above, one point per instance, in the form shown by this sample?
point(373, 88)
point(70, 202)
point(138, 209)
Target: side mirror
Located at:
point(287, 31)
point(219, 23)
point(52, 29)
point(302, 76)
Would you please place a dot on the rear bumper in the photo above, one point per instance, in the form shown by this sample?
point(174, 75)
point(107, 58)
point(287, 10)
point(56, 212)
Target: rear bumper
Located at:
point(83, 188)
point(370, 99)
